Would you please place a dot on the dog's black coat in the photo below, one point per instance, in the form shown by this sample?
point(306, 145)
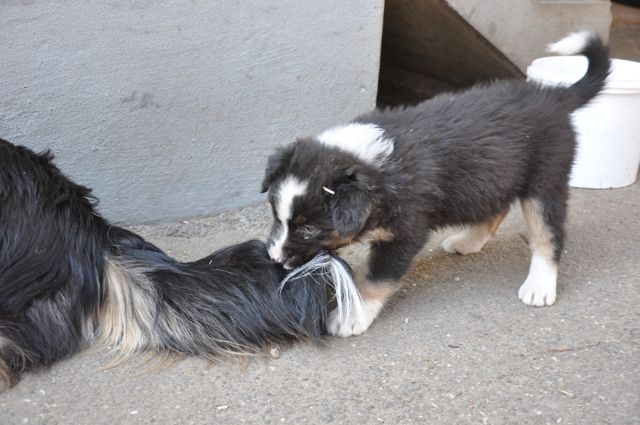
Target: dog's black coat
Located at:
point(458, 158)
point(55, 252)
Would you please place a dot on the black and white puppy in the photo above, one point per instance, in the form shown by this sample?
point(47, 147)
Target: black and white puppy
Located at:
point(69, 280)
point(460, 159)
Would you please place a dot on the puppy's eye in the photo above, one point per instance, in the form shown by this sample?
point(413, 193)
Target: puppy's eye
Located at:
point(308, 231)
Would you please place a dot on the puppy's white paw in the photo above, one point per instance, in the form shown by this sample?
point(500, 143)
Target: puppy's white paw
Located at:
point(356, 322)
point(538, 292)
point(464, 243)
point(539, 289)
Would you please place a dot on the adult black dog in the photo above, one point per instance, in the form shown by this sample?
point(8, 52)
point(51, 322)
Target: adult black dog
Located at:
point(460, 159)
point(70, 280)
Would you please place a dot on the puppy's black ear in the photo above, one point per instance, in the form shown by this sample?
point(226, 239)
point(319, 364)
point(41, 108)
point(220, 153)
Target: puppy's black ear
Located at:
point(276, 165)
point(350, 206)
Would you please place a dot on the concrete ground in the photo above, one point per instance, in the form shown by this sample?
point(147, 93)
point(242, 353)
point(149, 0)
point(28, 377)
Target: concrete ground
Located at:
point(456, 346)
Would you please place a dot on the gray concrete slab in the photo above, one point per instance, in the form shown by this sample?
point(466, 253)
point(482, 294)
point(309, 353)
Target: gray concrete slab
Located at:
point(456, 346)
point(167, 108)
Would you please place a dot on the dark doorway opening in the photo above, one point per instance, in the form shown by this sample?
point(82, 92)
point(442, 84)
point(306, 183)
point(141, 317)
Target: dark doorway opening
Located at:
point(428, 48)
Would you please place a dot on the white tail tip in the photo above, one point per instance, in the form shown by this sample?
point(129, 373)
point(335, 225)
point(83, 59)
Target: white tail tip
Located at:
point(572, 44)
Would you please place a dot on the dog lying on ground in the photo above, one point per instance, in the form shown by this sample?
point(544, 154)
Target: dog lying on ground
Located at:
point(69, 280)
point(458, 159)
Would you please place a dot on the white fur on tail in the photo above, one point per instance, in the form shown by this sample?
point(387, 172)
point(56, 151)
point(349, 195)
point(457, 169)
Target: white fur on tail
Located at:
point(350, 305)
point(572, 44)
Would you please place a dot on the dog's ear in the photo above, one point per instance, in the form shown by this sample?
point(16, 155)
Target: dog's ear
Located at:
point(350, 205)
point(276, 165)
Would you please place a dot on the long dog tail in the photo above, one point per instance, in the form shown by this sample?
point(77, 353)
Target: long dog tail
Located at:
point(589, 44)
point(226, 304)
point(231, 303)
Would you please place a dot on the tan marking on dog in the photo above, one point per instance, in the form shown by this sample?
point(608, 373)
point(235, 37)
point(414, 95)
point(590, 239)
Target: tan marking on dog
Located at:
point(377, 291)
point(6, 374)
point(126, 318)
point(335, 241)
point(129, 323)
point(374, 295)
point(493, 224)
point(473, 237)
point(540, 236)
point(378, 234)
point(539, 288)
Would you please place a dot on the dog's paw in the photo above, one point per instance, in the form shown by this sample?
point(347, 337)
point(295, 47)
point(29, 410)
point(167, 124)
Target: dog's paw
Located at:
point(463, 243)
point(354, 323)
point(538, 292)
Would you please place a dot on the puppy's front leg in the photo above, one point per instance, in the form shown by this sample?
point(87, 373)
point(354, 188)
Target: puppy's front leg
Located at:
point(388, 262)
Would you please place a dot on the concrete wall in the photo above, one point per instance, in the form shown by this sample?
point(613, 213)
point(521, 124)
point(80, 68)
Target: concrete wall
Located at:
point(169, 109)
point(521, 29)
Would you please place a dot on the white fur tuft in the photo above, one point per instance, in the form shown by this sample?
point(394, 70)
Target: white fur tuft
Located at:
point(348, 300)
point(539, 289)
point(354, 325)
point(366, 141)
point(572, 44)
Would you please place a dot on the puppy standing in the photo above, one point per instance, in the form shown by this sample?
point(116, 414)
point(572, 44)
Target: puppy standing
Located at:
point(457, 159)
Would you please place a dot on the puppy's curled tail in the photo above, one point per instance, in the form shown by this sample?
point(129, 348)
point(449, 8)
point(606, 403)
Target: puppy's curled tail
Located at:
point(589, 44)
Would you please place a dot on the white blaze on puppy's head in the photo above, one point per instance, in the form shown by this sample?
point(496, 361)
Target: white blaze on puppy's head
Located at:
point(365, 141)
point(289, 188)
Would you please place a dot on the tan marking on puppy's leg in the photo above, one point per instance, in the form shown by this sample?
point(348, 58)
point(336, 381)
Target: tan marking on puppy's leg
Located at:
point(473, 237)
point(334, 241)
point(539, 288)
point(373, 297)
point(377, 235)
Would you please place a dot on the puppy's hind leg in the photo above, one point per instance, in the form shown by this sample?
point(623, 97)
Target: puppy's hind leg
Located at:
point(545, 220)
point(473, 237)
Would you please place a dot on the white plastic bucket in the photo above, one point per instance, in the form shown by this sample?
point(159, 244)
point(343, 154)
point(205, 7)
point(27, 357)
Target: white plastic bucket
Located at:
point(608, 128)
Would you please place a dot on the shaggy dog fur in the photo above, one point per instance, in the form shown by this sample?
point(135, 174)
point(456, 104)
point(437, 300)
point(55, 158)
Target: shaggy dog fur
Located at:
point(459, 159)
point(70, 280)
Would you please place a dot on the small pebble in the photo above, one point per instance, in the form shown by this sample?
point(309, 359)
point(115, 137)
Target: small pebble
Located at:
point(275, 352)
